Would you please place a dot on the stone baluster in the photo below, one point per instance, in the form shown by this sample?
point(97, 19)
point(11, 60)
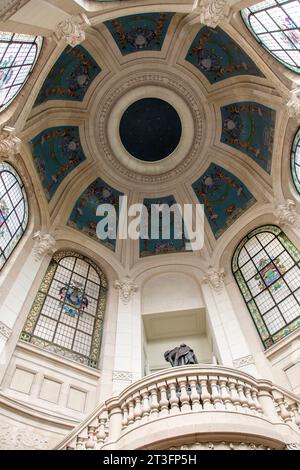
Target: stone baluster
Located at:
point(258, 407)
point(90, 443)
point(184, 398)
point(251, 403)
point(101, 435)
point(295, 410)
point(115, 419)
point(243, 399)
point(154, 405)
point(130, 404)
point(215, 393)
point(195, 396)
point(205, 395)
point(124, 409)
point(164, 402)
point(137, 407)
point(225, 394)
point(146, 405)
point(266, 400)
point(234, 394)
point(173, 396)
point(284, 413)
point(80, 443)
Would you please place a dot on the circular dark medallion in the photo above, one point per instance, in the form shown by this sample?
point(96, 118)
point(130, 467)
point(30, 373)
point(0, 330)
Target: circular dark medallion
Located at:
point(150, 129)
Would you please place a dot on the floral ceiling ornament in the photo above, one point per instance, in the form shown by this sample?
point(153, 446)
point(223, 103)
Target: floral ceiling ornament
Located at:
point(211, 12)
point(293, 104)
point(287, 215)
point(45, 245)
point(215, 279)
point(72, 30)
point(10, 145)
point(126, 289)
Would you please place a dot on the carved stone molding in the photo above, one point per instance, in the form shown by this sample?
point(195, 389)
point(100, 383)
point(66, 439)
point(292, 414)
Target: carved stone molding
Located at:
point(287, 215)
point(21, 438)
point(224, 445)
point(211, 12)
point(293, 446)
point(72, 30)
point(5, 331)
point(169, 81)
point(215, 279)
point(9, 7)
point(126, 289)
point(122, 375)
point(10, 145)
point(45, 245)
point(293, 104)
point(243, 361)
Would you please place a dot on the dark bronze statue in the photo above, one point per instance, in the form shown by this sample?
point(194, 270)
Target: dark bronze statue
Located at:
point(181, 356)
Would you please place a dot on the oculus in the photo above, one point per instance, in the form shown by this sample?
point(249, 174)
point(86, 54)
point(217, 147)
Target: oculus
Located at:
point(150, 129)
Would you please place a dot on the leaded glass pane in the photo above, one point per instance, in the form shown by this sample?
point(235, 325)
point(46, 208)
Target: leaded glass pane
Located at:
point(13, 211)
point(266, 268)
point(295, 161)
point(275, 24)
point(18, 55)
point(68, 311)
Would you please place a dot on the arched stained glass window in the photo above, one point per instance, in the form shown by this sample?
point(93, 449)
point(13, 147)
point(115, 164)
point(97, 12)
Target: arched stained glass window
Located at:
point(275, 24)
point(13, 211)
point(18, 55)
point(67, 314)
point(295, 161)
point(266, 266)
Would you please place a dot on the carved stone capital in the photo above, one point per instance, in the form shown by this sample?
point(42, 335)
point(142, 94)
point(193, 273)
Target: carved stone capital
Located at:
point(211, 12)
point(126, 289)
point(293, 104)
point(9, 7)
point(10, 145)
point(287, 215)
point(72, 30)
point(5, 331)
point(45, 245)
point(215, 279)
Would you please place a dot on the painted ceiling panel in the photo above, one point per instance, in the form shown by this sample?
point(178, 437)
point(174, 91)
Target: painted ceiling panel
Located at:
point(224, 196)
point(70, 77)
point(141, 32)
point(219, 57)
point(83, 216)
point(249, 127)
point(56, 152)
point(162, 245)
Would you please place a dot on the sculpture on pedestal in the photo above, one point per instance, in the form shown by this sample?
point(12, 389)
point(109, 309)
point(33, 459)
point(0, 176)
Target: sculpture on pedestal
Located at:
point(181, 356)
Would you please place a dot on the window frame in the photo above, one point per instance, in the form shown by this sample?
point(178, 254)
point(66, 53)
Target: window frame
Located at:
point(295, 173)
point(246, 18)
point(268, 338)
point(22, 224)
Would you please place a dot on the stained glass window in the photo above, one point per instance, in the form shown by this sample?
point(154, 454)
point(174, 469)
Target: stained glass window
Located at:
point(18, 55)
point(295, 161)
point(266, 266)
point(13, 211)
point(276, 26)
point(67, 315)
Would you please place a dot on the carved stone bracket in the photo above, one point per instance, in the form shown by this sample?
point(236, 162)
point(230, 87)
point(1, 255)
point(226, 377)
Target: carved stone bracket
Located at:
point(5, 331)
point(126, 289)
point(211, 12)
point(287, 215)
point(72, 30)
point(10, 145)
point(215, 279)
point(45, 245)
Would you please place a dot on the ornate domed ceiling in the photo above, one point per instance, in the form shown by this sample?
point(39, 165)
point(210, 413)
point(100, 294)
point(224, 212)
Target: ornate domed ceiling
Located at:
point(152, 108)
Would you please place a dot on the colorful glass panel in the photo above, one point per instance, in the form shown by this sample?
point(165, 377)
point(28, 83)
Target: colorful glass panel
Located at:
point(18, 55)
point(266, 266)
point(276, 26)
point(13, 211)
point(67, 315)
point(295, 161)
